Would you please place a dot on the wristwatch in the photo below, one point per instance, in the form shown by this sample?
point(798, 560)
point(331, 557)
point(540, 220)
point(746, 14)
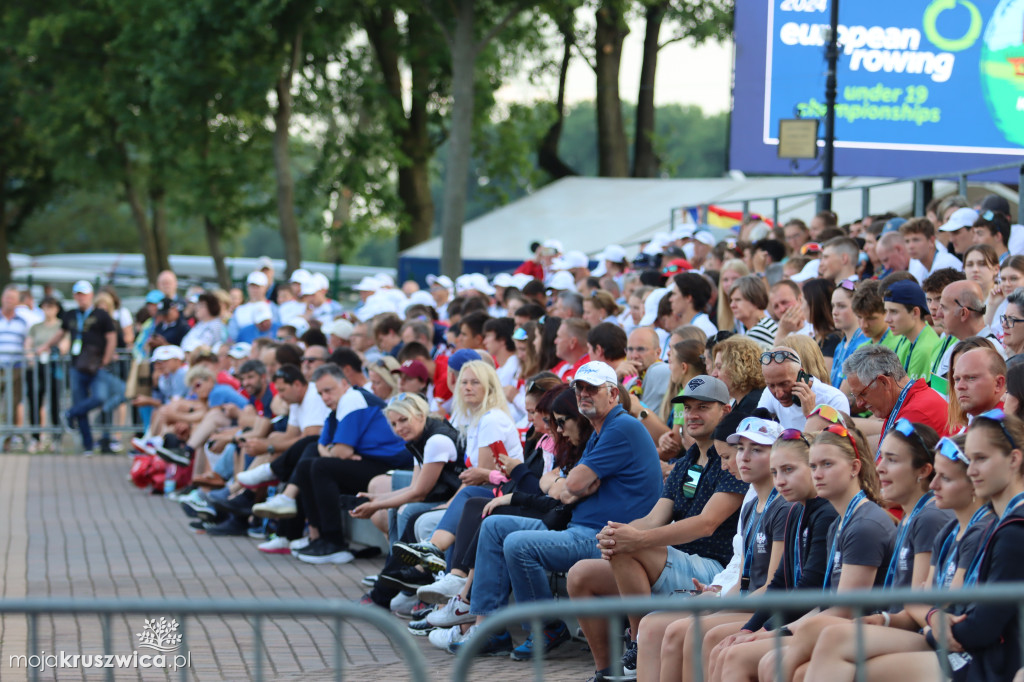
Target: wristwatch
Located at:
point(643, 414)
point(270, 449)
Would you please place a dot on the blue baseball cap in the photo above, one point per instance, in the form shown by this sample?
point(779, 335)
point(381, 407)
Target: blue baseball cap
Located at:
point(154, 296)
point(461, 357)
point(909, 293)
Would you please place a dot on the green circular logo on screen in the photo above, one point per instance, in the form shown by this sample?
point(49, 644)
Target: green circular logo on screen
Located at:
point(931, 15)
point(1001, 67)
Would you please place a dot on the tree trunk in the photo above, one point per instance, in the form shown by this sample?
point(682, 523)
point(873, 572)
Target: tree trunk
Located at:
point(613, 153)
point(5, 260)
point(460, 143)
point(409, 128)
point(646, 163)
point(547, 153)
point(147, 243)
point(217, 253)
point(282, 162)
point(158, 208)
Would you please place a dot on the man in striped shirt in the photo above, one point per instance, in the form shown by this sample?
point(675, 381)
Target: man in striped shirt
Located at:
point(13, 330)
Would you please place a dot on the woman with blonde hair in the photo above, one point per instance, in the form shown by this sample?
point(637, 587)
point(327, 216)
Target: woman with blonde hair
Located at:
point(737, 362)
point(600, 307)
point(383, 382)
point(526, 348)
point(810, 355)
point(731, 271)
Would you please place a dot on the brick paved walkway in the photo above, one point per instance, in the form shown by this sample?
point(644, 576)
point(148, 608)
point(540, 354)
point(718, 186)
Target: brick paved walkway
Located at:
point(75, 527)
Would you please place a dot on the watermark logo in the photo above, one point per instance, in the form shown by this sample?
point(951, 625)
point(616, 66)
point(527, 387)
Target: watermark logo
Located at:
point(159, 635)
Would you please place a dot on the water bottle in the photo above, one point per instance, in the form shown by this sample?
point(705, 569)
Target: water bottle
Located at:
point(170, 476)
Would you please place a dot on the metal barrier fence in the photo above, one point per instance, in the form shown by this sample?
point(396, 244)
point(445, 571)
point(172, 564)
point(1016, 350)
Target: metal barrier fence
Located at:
point(182, 609)
point(961, 177)
point(40, 388)
point(860, 602)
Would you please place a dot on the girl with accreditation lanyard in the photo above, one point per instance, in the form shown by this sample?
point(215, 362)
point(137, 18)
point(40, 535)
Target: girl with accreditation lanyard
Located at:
point(763, 520)
point(983, 640)
point(905, 470)
point(894, 647)
point(803, 565)
point(860, 546)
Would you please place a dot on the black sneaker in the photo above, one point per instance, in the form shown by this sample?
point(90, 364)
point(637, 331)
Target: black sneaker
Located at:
point(406, 578)
point(421, 611)
point(629, 662)
point(420, 627)
point(424, 554)
point(239, 505)
point(323, 551)
point(175, 454)
point(232, 527)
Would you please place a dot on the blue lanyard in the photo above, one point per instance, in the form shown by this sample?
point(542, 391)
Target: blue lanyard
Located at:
point(948, 546)
point(901, 537)
point(893, 416)
point(975, 569)
point(750, 536)
point(857, 499)
point(845, 350)
point(797, 570)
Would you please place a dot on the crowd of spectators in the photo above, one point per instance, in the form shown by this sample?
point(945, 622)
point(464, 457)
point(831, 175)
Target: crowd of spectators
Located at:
point(803, 406)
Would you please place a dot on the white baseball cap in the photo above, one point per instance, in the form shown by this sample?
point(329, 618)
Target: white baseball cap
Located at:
point(368, 284)
point(651, 307)
point(521, 279)
point(553, 244)
point(261, 313)
point(299, 276)
point(421, 298)
point(385, 279)
point(161, 353)
point(478, 281)
point(443, 281)
point(503, 279)
point(682, 232)
point(572, 259)
point(705, 237)
point(595, 373)
point(82, 287)
point(612, 252)
point(257, 278)
point(341, 328)
point(240, 350)
point(562, 281)
point(761, 431)
point(265, 262)
point(300, 323)
point(316, 282)
point(961, 218)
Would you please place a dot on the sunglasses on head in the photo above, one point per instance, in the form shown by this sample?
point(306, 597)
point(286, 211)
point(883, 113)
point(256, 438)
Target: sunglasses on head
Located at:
point(828, 413)
point(283, 376)
point(988, 215)
point(950, 450)
point(906, 429)
point(399, 398)
point(842, 432)
point(998, 416)
point(779, 356)
point(848, 284)
point(794, 434)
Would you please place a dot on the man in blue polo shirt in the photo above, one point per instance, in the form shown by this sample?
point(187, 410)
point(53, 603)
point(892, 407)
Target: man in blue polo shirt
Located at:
point(355, 445)
point(617, 479)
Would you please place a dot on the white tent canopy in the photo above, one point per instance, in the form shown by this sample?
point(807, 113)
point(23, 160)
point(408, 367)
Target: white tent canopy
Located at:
point(588, 213)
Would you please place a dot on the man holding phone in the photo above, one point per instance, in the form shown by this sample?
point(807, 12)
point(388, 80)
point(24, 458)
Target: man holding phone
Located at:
point(687, 535)
point(793, 393)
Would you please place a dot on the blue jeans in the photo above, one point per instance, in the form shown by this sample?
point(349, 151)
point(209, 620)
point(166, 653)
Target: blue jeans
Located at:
point(83, 401)
point(225, 466)
point(450, 520)
point(399, 518)
point(516, 553)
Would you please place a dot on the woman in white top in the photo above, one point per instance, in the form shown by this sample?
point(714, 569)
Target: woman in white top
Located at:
point(208, 330)
point(748, 301)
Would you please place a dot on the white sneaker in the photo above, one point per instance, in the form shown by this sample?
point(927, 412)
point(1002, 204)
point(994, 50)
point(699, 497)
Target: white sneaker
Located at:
point(455, 612)
point(279, 506)
point(275, 545)
point(402, 604)
point(253, 477)
point(440, 591)
point(443, 637)
point(295, 545)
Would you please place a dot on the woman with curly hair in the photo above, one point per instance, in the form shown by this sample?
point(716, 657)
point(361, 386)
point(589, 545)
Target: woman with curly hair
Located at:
point(737, 362)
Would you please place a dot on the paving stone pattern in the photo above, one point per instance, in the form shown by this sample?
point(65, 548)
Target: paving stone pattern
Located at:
point(76, 527)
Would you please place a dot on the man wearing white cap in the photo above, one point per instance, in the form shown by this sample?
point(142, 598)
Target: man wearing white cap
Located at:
point(685, 535)
point(703, 242)
point(244, 315)
point(441, 290)
point(958, 227)
point(93, 341)
point(319, 306)
point(338, 333)
point(612, 261)
point(576, 264)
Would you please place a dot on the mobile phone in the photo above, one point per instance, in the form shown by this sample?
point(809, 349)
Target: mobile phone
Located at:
point(693, 475)
point(350, 502)
point(805, 378)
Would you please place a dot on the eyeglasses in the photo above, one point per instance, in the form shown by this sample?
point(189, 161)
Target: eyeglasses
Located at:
point(859, 397)
point(848, 284)
point(581, 387)
point(842, 432)
point(560, 422)
point(973, 310)
point(794, 434)
point(779, 356)
point(1008, 321)
point(906, 429)
point(828, 413)
point(308, 360)
point(950, 450)
point(998, 416)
